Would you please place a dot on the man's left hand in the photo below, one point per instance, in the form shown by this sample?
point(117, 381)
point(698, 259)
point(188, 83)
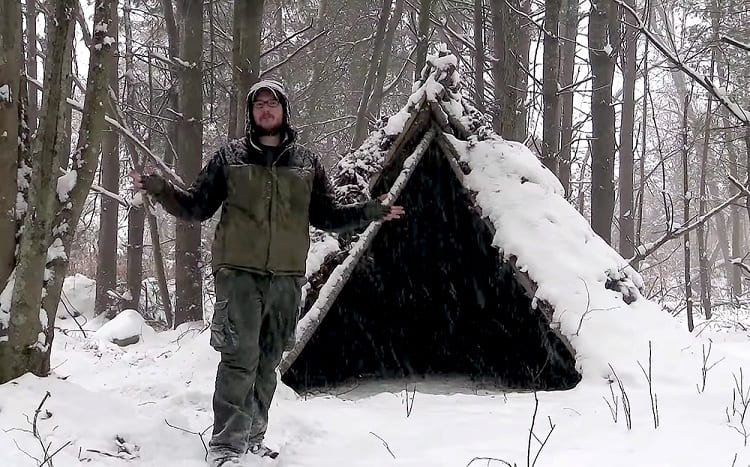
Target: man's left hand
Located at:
point(396, 212)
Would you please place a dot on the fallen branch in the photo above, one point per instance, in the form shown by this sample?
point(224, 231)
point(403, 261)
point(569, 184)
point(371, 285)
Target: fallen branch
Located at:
point(384, 444)
point(490, 459)
point(200, 435)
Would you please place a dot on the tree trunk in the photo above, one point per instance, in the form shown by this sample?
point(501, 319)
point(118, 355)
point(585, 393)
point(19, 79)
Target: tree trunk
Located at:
point(173, 40)
point(30, 330)
point(31, 63)
point(318, 63)
point(11, 66)
point(567, 68)
point(686, 215)
point(704, 266)
point(602, 59)
point(189, 280)
point(248, 25)
point(86, 156)
point(362, 124)
point(627, 130)
point(644, 133)
point(373, 106)
point(505, 68)
point(65, 123)
point(106, 266)
point(479, 63)
point(550, 86)
point(521, 78)
point(136, 217)
point(423, 37)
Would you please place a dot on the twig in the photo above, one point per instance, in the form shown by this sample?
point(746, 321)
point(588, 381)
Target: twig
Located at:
point(706, 367)
point(625, 399)
point(200, 435)
point(614, 411)
point(490, 459)
point(652, 396)
point(409, 405)
point(384, 444)
point(531, 430)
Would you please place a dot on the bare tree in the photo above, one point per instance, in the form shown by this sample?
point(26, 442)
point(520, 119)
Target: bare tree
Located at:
point(423, 36)
point(31, 65)
point(28, 336)
point(568, 32)
point(686, 196)
point(378, 92)
point(84, 164)
point(508, 110)
point(362, 123)
point(11, 66)
point(627, 157)
point(189, 280)
point(106, 266)
point(248, 24)
point(136, 217)
point(602, 39)
point(551, 85)
point(479, 62)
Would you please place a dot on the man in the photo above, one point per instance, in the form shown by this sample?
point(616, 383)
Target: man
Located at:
point(270, 189)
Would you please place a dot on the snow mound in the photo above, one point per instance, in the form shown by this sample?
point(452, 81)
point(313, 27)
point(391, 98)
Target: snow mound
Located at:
point(77, 298)
point(127, 328)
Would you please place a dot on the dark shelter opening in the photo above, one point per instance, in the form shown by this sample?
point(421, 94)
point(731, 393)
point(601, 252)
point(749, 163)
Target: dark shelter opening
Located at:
point(433, 297)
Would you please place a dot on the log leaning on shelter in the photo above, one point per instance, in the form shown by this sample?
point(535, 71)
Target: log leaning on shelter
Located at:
point(335, 283)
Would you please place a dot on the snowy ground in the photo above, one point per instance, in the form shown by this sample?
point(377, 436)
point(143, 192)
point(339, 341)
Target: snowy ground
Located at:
point(110, 406)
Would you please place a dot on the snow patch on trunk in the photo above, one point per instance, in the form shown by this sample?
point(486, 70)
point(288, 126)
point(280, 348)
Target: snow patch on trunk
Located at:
point(65, 185)
point(5, 94)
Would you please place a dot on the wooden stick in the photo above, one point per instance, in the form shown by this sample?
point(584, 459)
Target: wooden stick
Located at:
point(340, 276)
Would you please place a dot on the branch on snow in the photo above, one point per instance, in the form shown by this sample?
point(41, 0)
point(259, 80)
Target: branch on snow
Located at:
point(647, 249)
point(703, 81)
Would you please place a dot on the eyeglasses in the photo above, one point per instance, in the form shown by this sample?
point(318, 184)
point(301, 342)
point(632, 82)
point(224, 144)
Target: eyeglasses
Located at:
point(271, 103)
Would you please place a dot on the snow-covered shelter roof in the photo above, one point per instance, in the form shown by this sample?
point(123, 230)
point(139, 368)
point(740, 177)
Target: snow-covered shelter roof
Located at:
point(589, 294)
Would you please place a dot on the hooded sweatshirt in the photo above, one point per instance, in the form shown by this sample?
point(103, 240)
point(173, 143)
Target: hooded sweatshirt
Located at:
point(269, 197)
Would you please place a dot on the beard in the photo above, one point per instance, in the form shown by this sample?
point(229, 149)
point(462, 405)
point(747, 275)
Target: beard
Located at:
point(271, 131)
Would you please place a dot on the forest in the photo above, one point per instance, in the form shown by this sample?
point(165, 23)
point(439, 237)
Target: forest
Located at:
point(637, 108)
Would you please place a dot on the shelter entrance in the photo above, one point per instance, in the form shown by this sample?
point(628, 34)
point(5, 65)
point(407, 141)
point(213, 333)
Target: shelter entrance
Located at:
point(433, 297)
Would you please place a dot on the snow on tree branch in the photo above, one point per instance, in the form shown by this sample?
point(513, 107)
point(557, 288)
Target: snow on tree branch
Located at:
point(703, 81)
point(736, 43)
point(642, 251)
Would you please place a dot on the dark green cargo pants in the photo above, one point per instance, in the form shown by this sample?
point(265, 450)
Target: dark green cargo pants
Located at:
point(254, 319)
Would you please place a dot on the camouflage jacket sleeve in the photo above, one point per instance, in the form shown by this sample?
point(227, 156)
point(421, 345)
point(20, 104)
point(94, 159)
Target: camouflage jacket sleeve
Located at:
point(327, 214)
point(201, 200)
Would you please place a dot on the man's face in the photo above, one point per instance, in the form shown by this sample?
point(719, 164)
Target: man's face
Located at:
point(267, 112)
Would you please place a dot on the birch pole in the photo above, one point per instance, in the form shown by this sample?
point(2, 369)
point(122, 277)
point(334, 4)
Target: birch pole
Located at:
point(340, 276)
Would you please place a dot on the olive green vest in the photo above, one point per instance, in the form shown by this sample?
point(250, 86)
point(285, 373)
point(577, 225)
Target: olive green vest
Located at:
point(264, 225)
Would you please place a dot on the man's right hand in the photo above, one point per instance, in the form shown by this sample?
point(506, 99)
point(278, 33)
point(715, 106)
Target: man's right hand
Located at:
point(149, 182)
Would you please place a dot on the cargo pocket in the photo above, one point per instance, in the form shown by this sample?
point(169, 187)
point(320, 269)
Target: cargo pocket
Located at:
point(223, 335)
